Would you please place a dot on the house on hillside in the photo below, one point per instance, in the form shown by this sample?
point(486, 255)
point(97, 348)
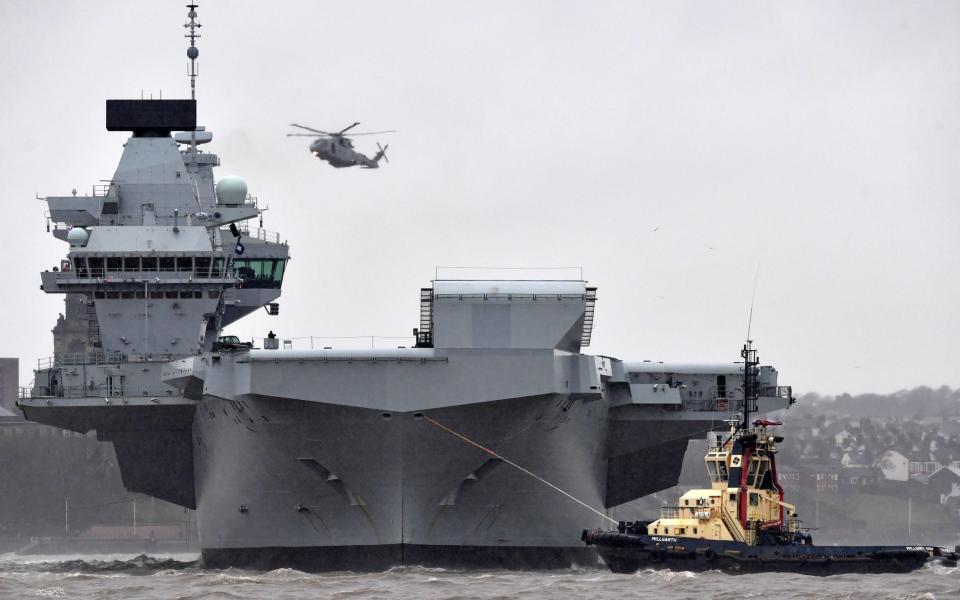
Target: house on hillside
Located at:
point(859, 477)
point(944, 483)
point(820, 478)
point(789, 478)
point(894, 466)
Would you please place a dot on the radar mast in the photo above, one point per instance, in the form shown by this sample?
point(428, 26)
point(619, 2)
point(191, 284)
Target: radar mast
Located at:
point(192, 53)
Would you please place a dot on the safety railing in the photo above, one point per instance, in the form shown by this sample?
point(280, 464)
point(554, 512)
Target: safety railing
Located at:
point(259, 233)
point(147, 274)
point(80, 358)
point(98, 391)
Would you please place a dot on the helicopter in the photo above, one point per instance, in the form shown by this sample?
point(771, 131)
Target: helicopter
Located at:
point(337, 148)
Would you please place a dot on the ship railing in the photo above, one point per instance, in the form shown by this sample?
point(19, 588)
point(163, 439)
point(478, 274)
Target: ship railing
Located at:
point(259, 233)
point(98, 391)
point(80, 358)
point(732, 525)
point(101, 190)
point(248, 201)
point(672, 512)
point(545, 296)
point(96, 273)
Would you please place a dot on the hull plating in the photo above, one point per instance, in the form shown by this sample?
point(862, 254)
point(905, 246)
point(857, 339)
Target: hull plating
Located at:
point(282, 474)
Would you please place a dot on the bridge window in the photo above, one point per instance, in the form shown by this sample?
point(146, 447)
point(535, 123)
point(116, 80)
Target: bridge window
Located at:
point(131, 263)
point(114, 264)
point(260, 272)
point(185, 263)
point(167, 263)
point(217, 267)
point(712, 471)
point(96, 266)
point(149, 263)
point(203, 266)
point(156, 295)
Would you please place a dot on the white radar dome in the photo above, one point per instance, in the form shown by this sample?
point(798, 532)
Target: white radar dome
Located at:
point(231, 190)
point(77, 236)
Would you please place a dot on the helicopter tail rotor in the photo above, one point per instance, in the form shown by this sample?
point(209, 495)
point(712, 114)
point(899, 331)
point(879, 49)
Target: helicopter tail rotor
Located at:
point(382, 153)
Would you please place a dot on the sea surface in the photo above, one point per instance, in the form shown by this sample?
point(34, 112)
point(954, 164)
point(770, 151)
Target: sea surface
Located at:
point(179, 577)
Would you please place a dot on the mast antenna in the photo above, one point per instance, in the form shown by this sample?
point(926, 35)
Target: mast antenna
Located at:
point(192, 53)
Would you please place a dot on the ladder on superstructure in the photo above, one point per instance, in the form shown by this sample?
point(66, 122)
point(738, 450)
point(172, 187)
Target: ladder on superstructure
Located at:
point(425, 332)
point(591, 302)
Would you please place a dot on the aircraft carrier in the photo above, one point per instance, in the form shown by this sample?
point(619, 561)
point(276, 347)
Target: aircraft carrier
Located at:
point(335, 458)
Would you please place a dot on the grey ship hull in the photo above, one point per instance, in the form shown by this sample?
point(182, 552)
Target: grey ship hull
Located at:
point(320, 486)
point(325, 486)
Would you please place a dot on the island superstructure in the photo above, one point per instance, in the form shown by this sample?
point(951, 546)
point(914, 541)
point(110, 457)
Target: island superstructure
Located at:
point(325, 458)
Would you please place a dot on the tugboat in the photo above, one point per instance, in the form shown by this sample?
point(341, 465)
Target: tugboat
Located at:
point(742, 524)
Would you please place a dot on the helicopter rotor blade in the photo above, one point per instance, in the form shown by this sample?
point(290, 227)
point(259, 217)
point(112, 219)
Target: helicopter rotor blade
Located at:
point(313, 135)
point(349, 127)
point(309, 128)
point(369, 133)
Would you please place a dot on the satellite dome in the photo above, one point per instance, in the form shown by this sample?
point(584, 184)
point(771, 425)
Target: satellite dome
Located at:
point(77, 236)
point(231, 190)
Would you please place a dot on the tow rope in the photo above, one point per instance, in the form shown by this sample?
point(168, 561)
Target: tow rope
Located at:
point(515, 465)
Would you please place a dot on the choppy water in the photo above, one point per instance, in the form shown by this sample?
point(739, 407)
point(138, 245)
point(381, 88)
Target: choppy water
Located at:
point(179, 577)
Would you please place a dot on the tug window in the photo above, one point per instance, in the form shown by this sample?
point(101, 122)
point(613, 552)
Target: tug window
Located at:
point(694, 531)
point(722, 466)
point(733, 496)
point(681, 530)
point(754, 499)
point(712, 471)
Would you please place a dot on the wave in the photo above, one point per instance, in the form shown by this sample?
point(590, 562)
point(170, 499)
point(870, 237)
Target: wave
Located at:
point(137, 565)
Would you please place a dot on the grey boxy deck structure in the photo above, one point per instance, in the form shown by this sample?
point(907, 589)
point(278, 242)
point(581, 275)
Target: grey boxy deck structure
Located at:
point(324, 459)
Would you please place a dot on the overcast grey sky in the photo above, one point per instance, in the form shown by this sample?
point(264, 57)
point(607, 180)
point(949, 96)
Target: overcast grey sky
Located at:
point(665, 147)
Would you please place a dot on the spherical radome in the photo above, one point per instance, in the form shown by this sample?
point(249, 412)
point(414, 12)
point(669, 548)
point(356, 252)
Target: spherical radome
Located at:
point(192, 52)
point(77, 236)
point(231, 190)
